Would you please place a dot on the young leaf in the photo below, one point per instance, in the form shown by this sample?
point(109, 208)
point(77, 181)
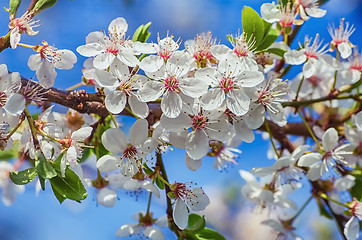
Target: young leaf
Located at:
point(159, 183)
point(58, 195)
point(196, 223)
point(276, 51)
point(208, 234)
point(137, 33)
point(145, 34)
point(7, 154)
point(253, 25)
point(23, 177)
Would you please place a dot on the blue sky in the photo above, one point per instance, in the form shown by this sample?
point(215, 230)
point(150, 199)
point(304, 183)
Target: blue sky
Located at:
point(66, 25)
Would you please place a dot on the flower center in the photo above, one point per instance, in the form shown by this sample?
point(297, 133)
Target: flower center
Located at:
point(165, 54)
point(171, 84)
point(125, 87)
point(199, 122)
point(182, 191)
point(226, 84)
point(130, 152)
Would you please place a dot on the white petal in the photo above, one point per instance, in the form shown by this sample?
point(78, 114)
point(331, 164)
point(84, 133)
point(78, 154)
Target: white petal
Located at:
point(108, 163)
point(138, 132)
point(82, 133)
point(147, 48)
point(309, 159)
point(66, 59)
point(243, 131)
point(151, 63)
point(219, 50)
point(199, 200)
point(14, 37)
point(171, 104)
point(103, 60)
point(114, 140)
point(15, 104)
point(115, 102)
point(90, 49)
point(153, 233)
point(46, 74)
point(180, 215)
point(151, 188)
point(269, 12)
point(310, 67)
point(197, 144)
point(295, 57)
point(139, 108)
point(151, 91)
point(105, 79)
point(213, 99)
point(238, 102)
point(127, 230)
point(118, 26)
point(330, 139)
point(250, 78)
point(358, 121)
point(315, 12)
point(192, 164)
point(345, 49)
point(193, 87)
point(128, 58)
point(106, 197)
point(177, 124)
point(351, 229)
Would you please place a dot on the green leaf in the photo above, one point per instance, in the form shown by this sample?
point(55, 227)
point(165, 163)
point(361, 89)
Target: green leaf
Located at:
point(23, 177)
point(70, 187)
point(269, 39)
point(208, 234)
point(159, 183)
point(253, 25)
point(276, 51)
point(196, 223)
point(8, 154)
point(44, 168)
point(58, 195)
point(42, 183)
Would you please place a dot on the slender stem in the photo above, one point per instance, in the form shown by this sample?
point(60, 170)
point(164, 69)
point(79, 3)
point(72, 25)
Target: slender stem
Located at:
point(299, 87)
point(130, 111)
point(172, 225)
point(46, 135)
point(302, 208)
point(25, 45)
point(309, 129)
point(113, 120)
point(149, 204)
point(271, 137)
point(337, 218)
point(322, 99)
point(326, 197)
point(22, 118)
point(75, 86)
point(335, 74)
point(33, 129)
point(164, 181)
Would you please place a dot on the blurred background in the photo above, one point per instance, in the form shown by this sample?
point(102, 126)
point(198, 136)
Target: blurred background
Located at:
point(65, 26)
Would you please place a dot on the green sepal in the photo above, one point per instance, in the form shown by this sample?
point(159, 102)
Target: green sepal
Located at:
point(253, 25)
point(44, 4)
point(147, 169)
point(13, 6)
point(159, 184)
point(171, 195)
point(44, 168)
point(23, 177)
point(209, 234)
point(196, 223)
